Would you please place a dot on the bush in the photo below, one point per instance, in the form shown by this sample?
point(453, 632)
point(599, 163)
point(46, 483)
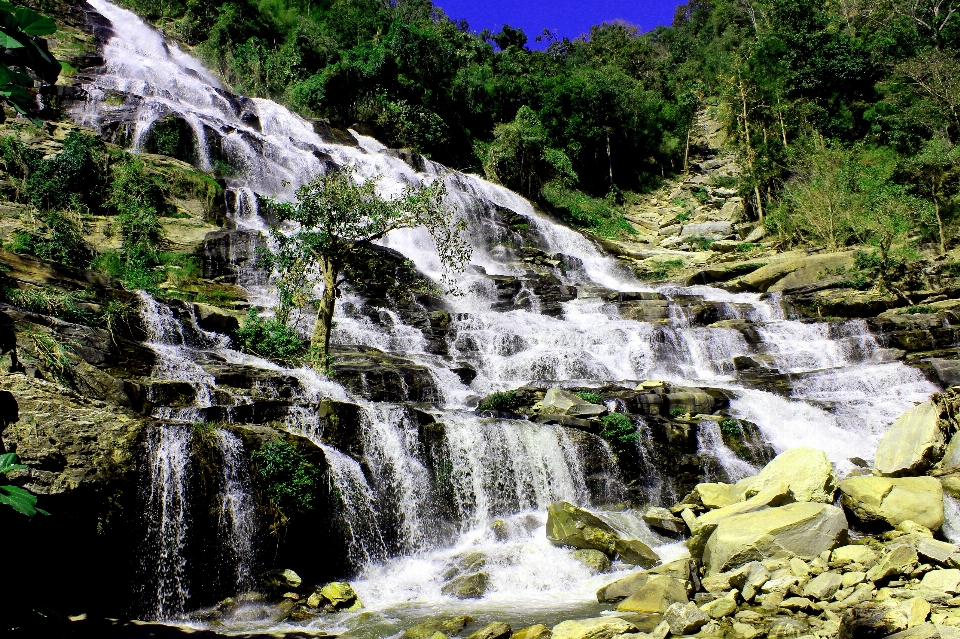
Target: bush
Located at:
point(916, 310)
point(661, 270)
point(587, 396)
point(49, 301)
point(291, 480)
point(269, 338)
point(596, 215)
point(501, 401)
point(619, 430)
point(59, 240)
point(676, 411)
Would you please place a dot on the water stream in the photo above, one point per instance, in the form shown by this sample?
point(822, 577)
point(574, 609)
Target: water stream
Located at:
point(843, 391)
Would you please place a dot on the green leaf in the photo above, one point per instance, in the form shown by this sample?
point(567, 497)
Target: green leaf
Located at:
point(6, 6)
point(19, 499)
point(32, 23)
point(8, 461)
point(8, 42)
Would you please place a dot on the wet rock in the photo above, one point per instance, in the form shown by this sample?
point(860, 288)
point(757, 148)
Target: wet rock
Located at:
point(806, 471)
point(656, 595)
point(212, 318)
point(912, 445)
point(593, 559)
point(471, 586)
point(794, 270)
point(537, 631)
point(622, 588)
point(802, 529)
point(561, 402)
point(636, 552)
point(341, 596)
point(447, 625)
point(496, 630)
point(662, 519)
point(685, 619)
point(785, 627)
point(869, 620)
point(280, 580)
point(597, 628)
point(892, 501)
point(568, 525)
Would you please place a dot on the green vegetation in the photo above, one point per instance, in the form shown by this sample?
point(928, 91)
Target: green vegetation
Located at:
point(25, 52)
point(619, 430)
point(291, 480)
point(49, 301)
point(17, 498)
point(676, 411)
point(501, 401)
point(731, 428)
point(915, 310)
point(336, 214)
point(587, 396)
point(270, 338)
point(661, 269)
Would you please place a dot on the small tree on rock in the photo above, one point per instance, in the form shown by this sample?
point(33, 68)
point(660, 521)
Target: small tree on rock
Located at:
point(334, 215)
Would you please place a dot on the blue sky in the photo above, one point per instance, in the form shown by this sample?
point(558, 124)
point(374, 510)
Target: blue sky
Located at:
point(569, 18)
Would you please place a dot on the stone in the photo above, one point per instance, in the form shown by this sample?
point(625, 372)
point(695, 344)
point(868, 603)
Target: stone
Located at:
point(935, 550)
point(593, 559)
point(799, 567)
point(899, 560)
point(796, 604)
point(854, 554)
point(656, 595)
point(757, 576)
point(892, 501)
point(823, 586)
point(685, 619)
point(622, 588)
point(662, 519)
point(794, 270)
point(947, 580)
point(340, 594)
point(912, 445)
point(496, 630)
point(802, 530)
point(872, 620)
point(772, 495)
point(722, 607)
point(500, 530)
point(923, 631)
point(951, 455)
point(280, 580)
point(537, 631)
point(745, 630)
point(634, 551)
point(568, 525)
point(785, 627)
point(806, 471)
point(596, 628)
point(917, 610)
point(447, 625)
point(470, 586)
point(851, 579)
point(213, 318)
point(716, 583)
point(661, 631)
point(911, 527)
point(717, 495)
point(560, 402)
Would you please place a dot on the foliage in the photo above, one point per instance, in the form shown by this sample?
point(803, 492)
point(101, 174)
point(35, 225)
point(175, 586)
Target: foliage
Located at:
point(661, 270)
point(25, 53)
point(50, 353)
point(49, 301)
point(501, 401)
point(915, 310)
point(600, 216)
point(619, 430)
point(291, 480)
point(270, 338)
point(731, 428)
point(335, 215)
point(17, 498)
point(587, 396)
point(676, 411)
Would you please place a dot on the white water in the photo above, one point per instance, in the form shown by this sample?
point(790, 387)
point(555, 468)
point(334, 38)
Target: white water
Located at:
point(843, 394)
point(238, 517)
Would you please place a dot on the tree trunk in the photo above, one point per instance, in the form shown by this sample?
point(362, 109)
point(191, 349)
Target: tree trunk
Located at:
point(609, 159)
point(320, 339)
point(686, 151)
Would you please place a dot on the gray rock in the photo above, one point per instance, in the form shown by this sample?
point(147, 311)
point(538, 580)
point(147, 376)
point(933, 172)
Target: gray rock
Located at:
point(899, 560)
point(471, 586)
point(496, 630)
point(658, 594)
point(685, 619)
point(596, 628)
point(823, 586)
point(561, 402)
point(622, 588)
point(893, 501)
point(593, 559)
point(806, 471)
point(912, 445)
point(937, 551)
point(663, 519)
point(722, 607)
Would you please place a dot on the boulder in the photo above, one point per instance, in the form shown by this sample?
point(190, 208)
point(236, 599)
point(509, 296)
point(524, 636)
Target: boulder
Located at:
point(685, 619)
point(854, 554)
point(537, 631)
point(656, 595)
point(806, 471)
point(634, 551)
point(801, 530)
point(790, 271)
point(942, 581)
point(951, 455)
point(662, 519)
point(898, 560)
point(722, 607)
point(596, 628)
point(622, 588)
point(892, 501)
point(446, 625)
point(717, 495)
point(786, 627)
point(212, 318)
point(824, 586)
point(470, 586)
point(940, 552)
point(496, 630)
point(568, 525)
point(872, 619)
point(340, 595)
point(773, 495)
point(593, 559)
point(912, 445)
point(560, 402)
point(280, 580)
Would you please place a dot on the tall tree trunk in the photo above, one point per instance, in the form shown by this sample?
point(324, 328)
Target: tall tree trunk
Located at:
point(686, 151)
point(943, 242)
point(609, 159)
point(323, 326)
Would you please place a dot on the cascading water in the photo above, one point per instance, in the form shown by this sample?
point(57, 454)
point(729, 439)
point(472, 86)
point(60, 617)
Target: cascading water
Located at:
point(841, 392)
point(238, 517)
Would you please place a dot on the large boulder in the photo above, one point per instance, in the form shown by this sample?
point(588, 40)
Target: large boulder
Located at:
point(790, 271)
point(470, 586)
point(560, 402)
point(597, 628)
point(806, 471)
point(658, 594)
point(536, 631)
point(446, 625)
point(892, 501)
point(912, 445)
point(495, 630)
point(773, 495)
point(685, 619)
point(801, 530)
point(568, 525)
point(623, 588)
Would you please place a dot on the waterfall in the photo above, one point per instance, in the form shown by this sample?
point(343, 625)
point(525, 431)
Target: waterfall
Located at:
point(710, 445)
point(163, 583)
point(238, 523)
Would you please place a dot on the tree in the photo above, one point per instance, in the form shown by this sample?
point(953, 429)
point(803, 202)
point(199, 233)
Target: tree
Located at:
point(336, 214)
point(22, 53)
point(936, 171)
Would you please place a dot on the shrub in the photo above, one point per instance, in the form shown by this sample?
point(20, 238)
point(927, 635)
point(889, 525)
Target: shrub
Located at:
point(587, 396)
point(501, 401)
point(291, 480)
point(596, 215)
point(269, 338)
point(661, 270)
point(915, 310)
point(48, 301)
point(59, 240)
point(676, 411)
point(730, 428)
point(701, 243)
point(619, 430)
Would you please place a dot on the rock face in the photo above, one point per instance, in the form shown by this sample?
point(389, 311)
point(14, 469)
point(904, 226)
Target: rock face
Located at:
point(568, 525)
point(802, 530)
point(912, 445)
point(892, 501)
point(806, 471)
point(598, 628)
